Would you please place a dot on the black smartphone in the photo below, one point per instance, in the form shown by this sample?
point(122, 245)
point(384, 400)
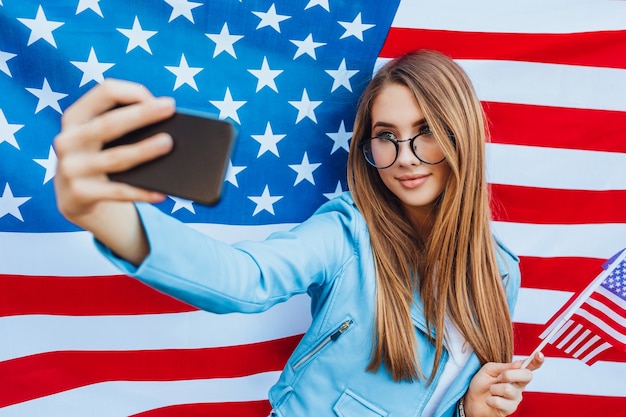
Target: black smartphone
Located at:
point(195, 168)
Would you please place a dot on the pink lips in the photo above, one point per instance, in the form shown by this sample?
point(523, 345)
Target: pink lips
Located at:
point(412, 181)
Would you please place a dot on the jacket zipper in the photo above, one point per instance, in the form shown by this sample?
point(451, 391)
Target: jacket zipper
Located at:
point(330, 338)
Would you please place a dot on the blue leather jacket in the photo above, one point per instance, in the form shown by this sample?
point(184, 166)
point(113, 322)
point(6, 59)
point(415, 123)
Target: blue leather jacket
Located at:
point(330, 258)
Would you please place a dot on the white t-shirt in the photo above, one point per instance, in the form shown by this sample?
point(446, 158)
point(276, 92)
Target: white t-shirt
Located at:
point(459, 354)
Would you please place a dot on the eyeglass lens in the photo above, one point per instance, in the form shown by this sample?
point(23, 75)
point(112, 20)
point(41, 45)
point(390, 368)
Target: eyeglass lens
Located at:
point(382, 152)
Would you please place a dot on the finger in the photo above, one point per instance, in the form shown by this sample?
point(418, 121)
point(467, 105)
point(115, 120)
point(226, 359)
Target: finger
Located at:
point(494, 369)
point(116, 159)
point(88, 191)
point(103, 97)
point(123, 157)
point(536, 362)
point(516, 376)
point(505, 406)
point(507, 391)
point(113, 124)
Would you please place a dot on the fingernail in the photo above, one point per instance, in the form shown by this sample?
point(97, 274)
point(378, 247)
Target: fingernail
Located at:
point(163, 140)
point(165, 102)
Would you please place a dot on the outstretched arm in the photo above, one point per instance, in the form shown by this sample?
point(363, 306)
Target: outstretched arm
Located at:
point(496, 389)
point(85, 195)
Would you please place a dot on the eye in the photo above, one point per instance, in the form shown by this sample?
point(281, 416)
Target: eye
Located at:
point(425, 130)
point(386, 134)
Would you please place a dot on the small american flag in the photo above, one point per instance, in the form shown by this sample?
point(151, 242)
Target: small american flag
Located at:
point(599, 322)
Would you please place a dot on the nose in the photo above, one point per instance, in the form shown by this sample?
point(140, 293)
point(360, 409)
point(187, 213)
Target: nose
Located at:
point(405, 154)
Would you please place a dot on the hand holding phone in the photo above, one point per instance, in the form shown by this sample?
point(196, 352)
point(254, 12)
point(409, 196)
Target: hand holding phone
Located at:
point(196, 166)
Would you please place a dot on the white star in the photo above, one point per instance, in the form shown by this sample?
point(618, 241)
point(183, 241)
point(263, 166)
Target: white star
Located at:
point(89, 4)
point(182, 8)
point(306, 107)
point(232, 172)
point(305, 170)
point(270, 18)
point(265, 202)
point(228, 107)
point(137, 37)
point(340, 138)
point(341, 76)
point(306, 46)
point(92, 69)
point(47, 97)
point(355, 28)
point(337, 193)
point(4, 57)
point(184, 73)
point(268, 141)
point(41, 28)
point(10, 204)
point(7, 131)
point(224, 41)
point(266, 76)
point(49, 164)
point(322, 3)
point(181, 203)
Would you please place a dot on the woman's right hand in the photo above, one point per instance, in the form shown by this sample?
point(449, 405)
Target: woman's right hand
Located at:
point(84, 193)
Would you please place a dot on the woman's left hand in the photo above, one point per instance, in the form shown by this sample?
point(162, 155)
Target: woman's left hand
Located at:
point(496, 389)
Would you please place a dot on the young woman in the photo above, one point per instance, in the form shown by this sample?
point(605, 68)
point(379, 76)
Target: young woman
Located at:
point(411, 294)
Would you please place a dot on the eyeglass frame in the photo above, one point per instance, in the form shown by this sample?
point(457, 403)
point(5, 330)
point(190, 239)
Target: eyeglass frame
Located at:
point(396, 143)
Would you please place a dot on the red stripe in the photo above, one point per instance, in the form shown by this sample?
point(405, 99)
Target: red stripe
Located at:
point(621, 329)
point(82, 296)
point(527, 339)
point(549, 273)
point(35, 376)
point(556, 127)
point(537, 404)
point(518, 204)
point(243, 409)
point(598, 49)
point(617, 308)
point(121, 295)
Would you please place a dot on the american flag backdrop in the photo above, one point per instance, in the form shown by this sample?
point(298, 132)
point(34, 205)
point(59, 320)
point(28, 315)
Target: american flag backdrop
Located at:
point(79, 339)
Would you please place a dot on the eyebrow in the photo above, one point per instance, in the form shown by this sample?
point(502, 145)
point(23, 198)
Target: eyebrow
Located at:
point(385, 124)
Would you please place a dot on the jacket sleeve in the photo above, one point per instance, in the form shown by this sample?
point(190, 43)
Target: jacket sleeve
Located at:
point(508, 265)
point(246, 277)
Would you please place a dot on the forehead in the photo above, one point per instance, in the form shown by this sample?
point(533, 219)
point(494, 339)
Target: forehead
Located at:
point(396, 105)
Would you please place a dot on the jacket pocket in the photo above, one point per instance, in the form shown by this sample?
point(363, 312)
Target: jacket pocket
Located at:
point(351, 404)
point(330, 338)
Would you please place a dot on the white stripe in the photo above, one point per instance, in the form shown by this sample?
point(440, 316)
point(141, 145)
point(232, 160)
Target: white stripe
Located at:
point(581, 240)
point(74, 254)
point(569, 336)
point(121, 399)
point(536, 306)
point(573, 376)
point(579, 340)
point(34, 334)
point(544, 84)
point(558, 334)
point(529, 16)
point(570, 169)
point(609, 312)
point(586, 346)
point(620, 337)
point(596, 352)
point(548, 84)
point(612, 297)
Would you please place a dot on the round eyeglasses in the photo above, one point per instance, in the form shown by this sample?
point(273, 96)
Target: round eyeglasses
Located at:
point(381, 151)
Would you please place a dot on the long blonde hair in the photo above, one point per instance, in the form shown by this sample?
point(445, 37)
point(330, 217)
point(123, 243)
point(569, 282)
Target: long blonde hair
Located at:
point(455, 270)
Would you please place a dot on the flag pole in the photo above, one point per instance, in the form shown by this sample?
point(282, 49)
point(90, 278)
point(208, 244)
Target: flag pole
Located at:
point(569, 312)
